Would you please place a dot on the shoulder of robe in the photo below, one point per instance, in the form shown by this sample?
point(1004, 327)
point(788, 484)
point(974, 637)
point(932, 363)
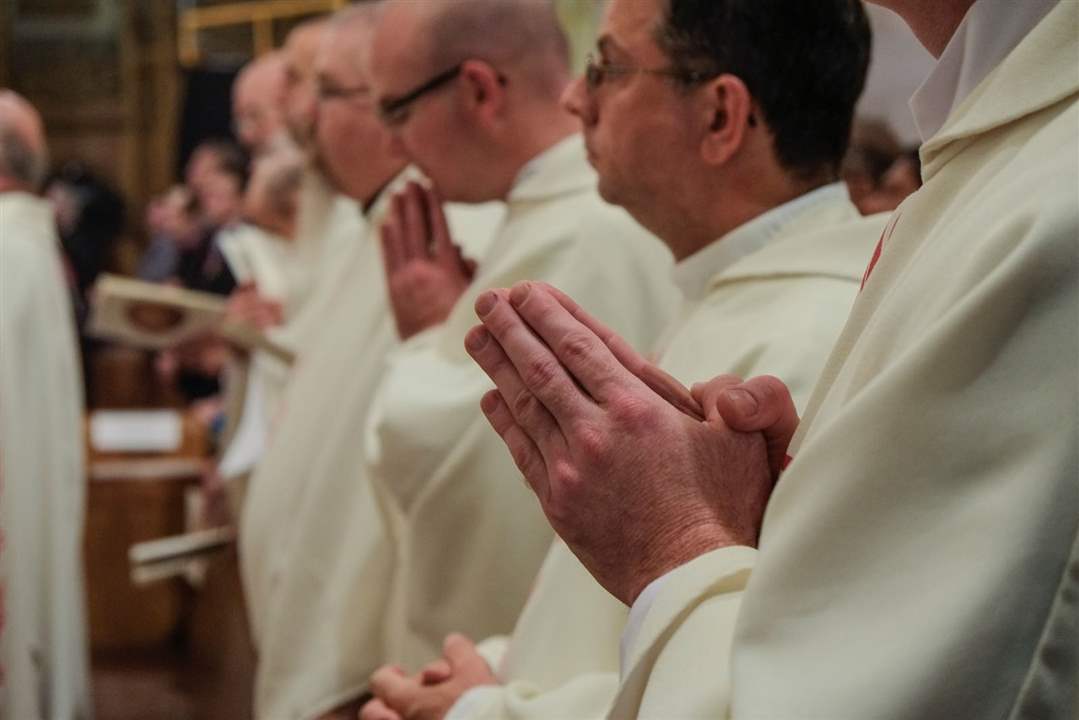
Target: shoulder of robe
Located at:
point(1038, 74)
point(26, 261)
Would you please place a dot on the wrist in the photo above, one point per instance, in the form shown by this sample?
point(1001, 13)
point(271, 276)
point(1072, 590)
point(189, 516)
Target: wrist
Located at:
point(667, 550)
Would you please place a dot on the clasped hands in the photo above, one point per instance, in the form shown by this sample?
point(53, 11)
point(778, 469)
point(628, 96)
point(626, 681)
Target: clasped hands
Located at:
point(431, 693)
point(425, 271)
point(246, 306)
point(636, 473)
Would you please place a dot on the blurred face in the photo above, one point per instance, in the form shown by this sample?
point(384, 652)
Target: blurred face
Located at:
point(638, 127)
point(300, 51)
point(354, 149)
point(201, 164)
point(900, 181)
point(430, 130)
point(259, 103)
point(219, 197)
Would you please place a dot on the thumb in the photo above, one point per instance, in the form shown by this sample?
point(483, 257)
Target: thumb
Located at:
point(459, 650)
point(762, 404)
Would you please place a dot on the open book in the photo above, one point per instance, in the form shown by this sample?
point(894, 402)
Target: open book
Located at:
point(156, 317)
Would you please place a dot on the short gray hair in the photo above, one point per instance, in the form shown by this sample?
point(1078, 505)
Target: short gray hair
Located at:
point(20, 162)
point(499, 32)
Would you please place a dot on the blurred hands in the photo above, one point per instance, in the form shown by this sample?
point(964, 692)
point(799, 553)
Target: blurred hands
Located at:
point(246, 306)
point(425, 271)
point(215, 500)
point(626, 472)
point(431, 693)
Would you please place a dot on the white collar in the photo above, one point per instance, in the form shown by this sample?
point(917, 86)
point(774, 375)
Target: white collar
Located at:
point(693, 274)
point(561, 168)
point(988, 33)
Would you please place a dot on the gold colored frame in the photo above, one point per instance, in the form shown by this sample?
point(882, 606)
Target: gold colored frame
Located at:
point(261, 15)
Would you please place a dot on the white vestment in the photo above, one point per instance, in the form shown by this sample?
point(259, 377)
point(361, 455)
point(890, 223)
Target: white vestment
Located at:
point(45, 668)
point(256, 383)
point(920, 556)
point(770, 297)
point(308, 525)
point(304, 496)
point(467, 535)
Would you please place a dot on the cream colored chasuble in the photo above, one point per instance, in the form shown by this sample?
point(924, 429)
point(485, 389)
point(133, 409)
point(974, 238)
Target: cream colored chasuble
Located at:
point(771, 297)
point(919, 557)
point(305, 498)
point(305, 275)
point(42, 480)
point(256, 382)
point(466, 534)
point(309, 526)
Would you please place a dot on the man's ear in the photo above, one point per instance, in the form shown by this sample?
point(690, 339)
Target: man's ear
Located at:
point(729, 113)
point(485, 90)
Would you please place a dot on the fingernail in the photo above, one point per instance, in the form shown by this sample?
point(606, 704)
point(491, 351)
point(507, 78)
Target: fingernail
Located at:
point(485, 303)
point(489, 402)
point(476, 340)
point(743, 402)
point(520, 293)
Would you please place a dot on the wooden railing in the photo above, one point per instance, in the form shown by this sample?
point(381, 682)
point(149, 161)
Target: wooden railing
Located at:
point(260, 14)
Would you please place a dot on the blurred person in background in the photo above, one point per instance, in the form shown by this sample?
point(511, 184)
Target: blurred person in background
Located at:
point(217, 176)
point(873, 149)
point(90, 216)
point(172, 223)
point(258, 102)
point(301, 91)
point(44, 664)
point(902, 178)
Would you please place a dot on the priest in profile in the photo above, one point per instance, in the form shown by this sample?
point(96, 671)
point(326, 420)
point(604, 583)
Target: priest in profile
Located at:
point(43, 656)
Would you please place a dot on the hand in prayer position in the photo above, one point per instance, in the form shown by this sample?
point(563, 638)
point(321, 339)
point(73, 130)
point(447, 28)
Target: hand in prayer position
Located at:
point(762, 404)
point(425, 271)
point(431, 693)
point(246, 306)
point(625, 468)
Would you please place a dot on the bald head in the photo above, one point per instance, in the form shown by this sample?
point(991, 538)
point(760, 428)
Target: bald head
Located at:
point(524, 35)
point(23, 154)
point(349, 32)
point(302, 42)
point(258, 100)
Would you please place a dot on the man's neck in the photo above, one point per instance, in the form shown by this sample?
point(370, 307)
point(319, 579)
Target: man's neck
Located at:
point(10, 185)
point(734, 209)
point(367, 203)
point(538, 138)
point(933, 22)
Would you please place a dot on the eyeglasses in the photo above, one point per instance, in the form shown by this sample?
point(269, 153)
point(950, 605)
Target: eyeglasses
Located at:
point(394, 111)
point(332, 92)
point(597, 73)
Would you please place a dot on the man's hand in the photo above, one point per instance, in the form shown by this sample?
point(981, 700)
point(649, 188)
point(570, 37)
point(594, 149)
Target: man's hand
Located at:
point(215, 499)
point(762, 404)
point(247, 307)
point(635, 485)
point(425, 272)
point(430, 694)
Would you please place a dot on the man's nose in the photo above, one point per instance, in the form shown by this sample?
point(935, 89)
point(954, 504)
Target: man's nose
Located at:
point(576, 101)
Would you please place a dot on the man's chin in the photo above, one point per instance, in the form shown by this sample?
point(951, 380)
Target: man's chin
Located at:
point(607, 192)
